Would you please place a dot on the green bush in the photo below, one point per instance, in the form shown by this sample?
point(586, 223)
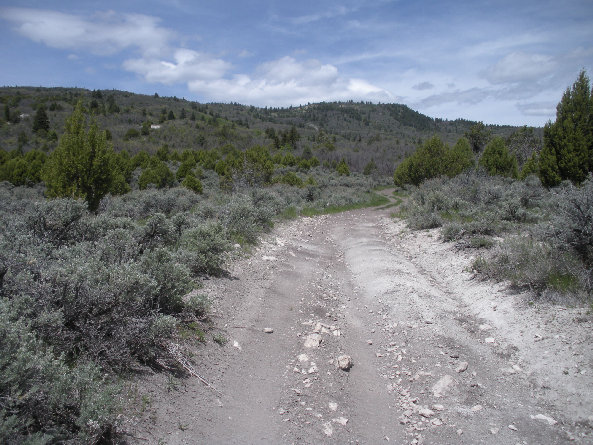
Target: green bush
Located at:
point(497, 160)
point(203, 249)
point(192, 183)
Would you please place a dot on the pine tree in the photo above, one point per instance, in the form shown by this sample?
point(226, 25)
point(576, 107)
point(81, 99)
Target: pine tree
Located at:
point(568, 142)
point(80, 167)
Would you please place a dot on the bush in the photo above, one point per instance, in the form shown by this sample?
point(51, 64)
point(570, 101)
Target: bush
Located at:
point(192, 183)
point(572, 226)
point(203, 249)
point(497, 160)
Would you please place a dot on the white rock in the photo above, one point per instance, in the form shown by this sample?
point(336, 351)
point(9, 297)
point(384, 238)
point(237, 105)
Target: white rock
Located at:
point(425, 412)
point(370, 342)
point(441, 387)
point(303, 358)
point(489, 340)
point(313, 369)
point(312, 341)
point(485, 327)
point(327, 429)
point(344, 362)
point(437, 422)
point(476, 408)
point(494, 430)
point(268, 330)
point(512, 427)
point(462, 367)
point(333, 406)
point(544, 418)
point(237, 345)
point(438, 407)
point(341, 420)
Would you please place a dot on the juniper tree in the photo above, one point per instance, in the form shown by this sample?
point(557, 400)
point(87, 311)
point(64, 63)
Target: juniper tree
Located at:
point(568, 142)
point(81, 165)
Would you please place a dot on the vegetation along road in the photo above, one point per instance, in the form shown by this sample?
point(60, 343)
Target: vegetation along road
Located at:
point(437, 356)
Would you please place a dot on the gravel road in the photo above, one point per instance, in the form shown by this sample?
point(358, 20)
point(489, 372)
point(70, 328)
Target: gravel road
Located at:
point(439, 357)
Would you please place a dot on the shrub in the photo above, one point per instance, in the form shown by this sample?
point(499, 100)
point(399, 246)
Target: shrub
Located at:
point(203, 249)
point(497, 160)
point(572, 226)
point(192, 183)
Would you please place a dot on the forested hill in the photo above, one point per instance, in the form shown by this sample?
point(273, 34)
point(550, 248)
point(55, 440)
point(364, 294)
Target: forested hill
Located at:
point(355, 131)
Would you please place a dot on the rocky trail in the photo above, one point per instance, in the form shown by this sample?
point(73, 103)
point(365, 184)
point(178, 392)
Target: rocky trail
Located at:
point(349, 328)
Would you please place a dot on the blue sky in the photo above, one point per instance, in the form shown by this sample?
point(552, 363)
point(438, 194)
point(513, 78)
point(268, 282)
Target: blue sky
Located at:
point(503, 62)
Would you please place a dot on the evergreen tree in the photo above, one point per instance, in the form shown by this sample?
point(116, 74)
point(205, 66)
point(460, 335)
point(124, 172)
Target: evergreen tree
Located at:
point(568, 142)
point(497, 160)
point(478, 136)
point(80, 167)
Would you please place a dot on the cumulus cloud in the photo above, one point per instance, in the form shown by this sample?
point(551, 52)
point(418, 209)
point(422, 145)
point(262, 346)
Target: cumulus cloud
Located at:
point(103, 34)
point(186, 65)
point(288, 81)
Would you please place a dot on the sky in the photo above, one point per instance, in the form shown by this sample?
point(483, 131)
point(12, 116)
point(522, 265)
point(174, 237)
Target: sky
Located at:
point(500, 62)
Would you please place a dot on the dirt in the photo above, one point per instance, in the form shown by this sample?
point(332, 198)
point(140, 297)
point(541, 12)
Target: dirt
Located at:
point(439, 356)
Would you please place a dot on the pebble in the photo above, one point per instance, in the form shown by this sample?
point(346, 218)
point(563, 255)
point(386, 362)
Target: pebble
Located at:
point(544, 418)
point(344, 362)
point(489, 340)
point(313, 341)
point(438, 407)
point(494, 431)
point(513, 427)
point(333, 406)
point(327, 429)
point(425, 412)
point(370, 342)
point(442, 386)
point(268, 330)
point(341, 420)
point(462, 367)
point(237, 345)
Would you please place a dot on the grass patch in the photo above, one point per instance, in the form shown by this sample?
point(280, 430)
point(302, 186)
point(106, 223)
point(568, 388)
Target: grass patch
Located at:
point(373, 200)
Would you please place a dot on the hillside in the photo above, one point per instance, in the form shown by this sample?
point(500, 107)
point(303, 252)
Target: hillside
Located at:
point(358, 132)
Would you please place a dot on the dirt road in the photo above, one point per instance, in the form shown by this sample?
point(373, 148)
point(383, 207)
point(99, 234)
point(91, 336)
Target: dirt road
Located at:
point(439, 357)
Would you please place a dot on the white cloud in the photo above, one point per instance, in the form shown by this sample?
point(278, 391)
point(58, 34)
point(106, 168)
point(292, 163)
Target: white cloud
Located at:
point(187, 65)
point(105, 34)
point(288, 81)
point(520, 67)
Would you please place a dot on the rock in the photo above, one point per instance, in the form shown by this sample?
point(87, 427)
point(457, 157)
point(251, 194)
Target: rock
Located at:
point(313, 369)
point(476, 408)
point(437, 422)
point(544, 418)
point(459, 432)
point(344, 362)
point(237, 345)
point(370, 342)
point(513, 427)
point(489, 340)
point(438, 407)
point(462, 367)
point(425, 412)
point(303, 358)
point(485, 327)
point(443, 385)
point(268, 330)
point(327, 429)
point(313, 341)
point(341, 420)
point(494, 431)
point(333, 406)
